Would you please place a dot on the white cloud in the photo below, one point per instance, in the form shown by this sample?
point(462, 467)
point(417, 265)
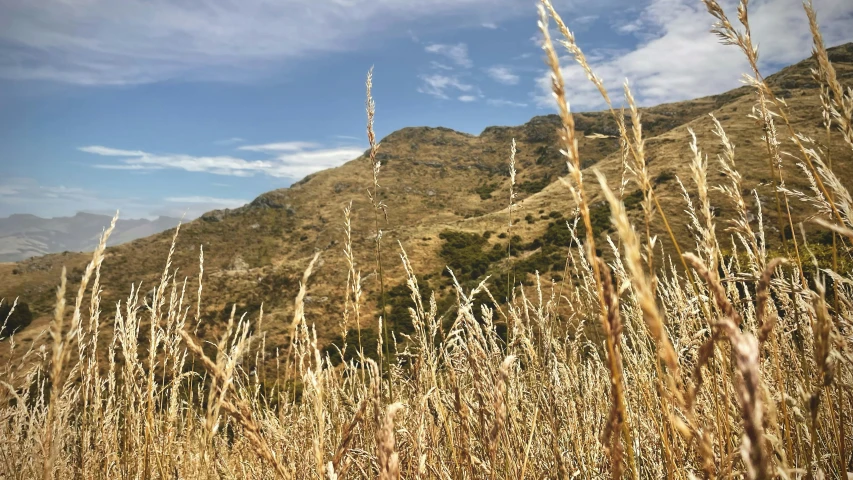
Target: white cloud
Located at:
point(585, 19)
point(191, 207)
point(140, 168)
point(219, 165)
point(12, 189)
point(467, 98)
point(26, 195)
point(279, 147)
point(23, 190)
point(503, 75)
point(300, 164)
point(291, 160)
point(440, 66)
point(499, 102)
point(229, 141)
point(680, 58)
point(110, 152)
point(632, 26)
point(194, 206)
point(96, 42)
point(490, 25)
point(438, 85)
point(457, 54)
point(61, 191)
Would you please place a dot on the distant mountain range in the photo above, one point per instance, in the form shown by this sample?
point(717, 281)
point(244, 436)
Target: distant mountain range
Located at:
point(23, 236)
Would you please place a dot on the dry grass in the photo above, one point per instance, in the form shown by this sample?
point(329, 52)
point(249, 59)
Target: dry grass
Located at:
point(737, 366)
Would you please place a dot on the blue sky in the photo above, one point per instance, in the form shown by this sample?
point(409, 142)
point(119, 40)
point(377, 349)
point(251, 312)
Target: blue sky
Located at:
point(176, 106)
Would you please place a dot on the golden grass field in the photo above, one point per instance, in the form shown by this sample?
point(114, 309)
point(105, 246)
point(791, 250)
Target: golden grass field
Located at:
point(660, 292)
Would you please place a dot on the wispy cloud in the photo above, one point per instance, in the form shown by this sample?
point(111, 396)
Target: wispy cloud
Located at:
point(490, 25)
point(96, 42)
point(584, 19)
point(300, 164)
point(138, 160)
point(499, 102)
point(467, 98)
point(438, 85)
point(191, 207)
point(10, 190)
point(291, 160)
point(279, 147)
point(632, 26)
point(457, 53)
point(440, 66)
point(230, 141)
point(22, 189)
point(677, 58)
point(119, 166)
point(26, 195)
point(110, 152)
point(503, 74)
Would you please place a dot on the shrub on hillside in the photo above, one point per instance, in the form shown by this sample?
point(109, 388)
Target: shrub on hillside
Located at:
point(12, 321)
point(369, 344)
point(485, 191)
point(464, 254)
point(534, 186)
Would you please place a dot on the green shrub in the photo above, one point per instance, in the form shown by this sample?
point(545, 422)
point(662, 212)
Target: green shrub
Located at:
point(20, 318)
point(398, 300)
point(369, 343)
point(633, 200)
point(534, 186)
point(517, 243)
point(542, 261)
point(823, 237)
point(557, 234)
point(463, 253)
point(485, 191)
point(599, 217)
point(664, 177)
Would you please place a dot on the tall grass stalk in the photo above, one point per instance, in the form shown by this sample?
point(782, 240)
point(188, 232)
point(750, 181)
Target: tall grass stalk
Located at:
point(510, 276)
point(379, 209)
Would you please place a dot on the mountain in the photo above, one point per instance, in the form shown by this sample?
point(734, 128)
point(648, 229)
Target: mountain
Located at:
point(25, 236)
point(447, 194)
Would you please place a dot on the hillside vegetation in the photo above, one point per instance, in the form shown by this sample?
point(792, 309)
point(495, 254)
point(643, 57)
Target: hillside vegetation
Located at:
point(517, 304)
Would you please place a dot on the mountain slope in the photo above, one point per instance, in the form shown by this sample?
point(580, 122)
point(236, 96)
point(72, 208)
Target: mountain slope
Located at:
point(25, 236)
point(436, 180)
